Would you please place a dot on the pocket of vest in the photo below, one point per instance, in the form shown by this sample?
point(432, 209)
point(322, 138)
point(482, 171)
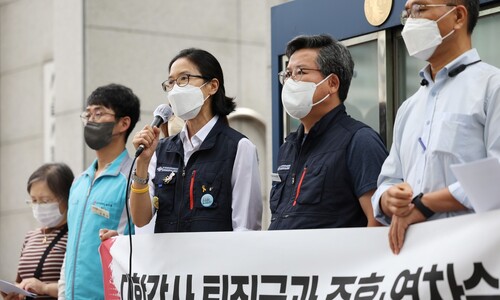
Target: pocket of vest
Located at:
point(207, 190)
point(165, 190)
point(277, 190)
point(311, 189)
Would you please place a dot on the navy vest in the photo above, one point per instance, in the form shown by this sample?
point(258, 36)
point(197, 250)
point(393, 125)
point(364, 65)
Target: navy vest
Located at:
point(196, 197)
point(316, 190)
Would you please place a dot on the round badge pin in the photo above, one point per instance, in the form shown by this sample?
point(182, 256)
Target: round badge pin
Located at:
point(207, 200)
point(156, 202)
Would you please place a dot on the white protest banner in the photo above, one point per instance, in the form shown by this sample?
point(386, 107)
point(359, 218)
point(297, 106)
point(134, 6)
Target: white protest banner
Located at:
point(454, 258)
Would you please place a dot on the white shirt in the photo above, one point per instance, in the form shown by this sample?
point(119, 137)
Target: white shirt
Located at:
point(245, 179)
point(451, 120)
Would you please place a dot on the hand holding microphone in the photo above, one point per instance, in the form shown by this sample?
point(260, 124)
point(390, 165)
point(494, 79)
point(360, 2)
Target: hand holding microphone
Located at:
point(147, 136)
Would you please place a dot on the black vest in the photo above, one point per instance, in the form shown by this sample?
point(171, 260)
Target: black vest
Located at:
point(316, 190)
point(196, 197)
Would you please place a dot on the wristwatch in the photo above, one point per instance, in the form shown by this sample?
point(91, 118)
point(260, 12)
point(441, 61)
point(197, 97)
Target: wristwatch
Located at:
point(427, 212)
point(138, 179)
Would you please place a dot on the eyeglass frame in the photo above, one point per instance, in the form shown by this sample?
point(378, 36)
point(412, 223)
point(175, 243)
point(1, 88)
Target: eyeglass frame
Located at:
point(297, 77)
point(166, 89)
point(96, 115)
point(416, 9)
point(31, 202)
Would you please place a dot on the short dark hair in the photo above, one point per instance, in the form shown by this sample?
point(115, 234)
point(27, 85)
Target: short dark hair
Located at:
point(472, 7)
point(209, 68)
point(333, 57)
point(58, 176)
point(121, 100)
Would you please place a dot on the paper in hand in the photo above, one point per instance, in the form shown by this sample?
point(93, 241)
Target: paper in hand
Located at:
point(480, 180)
point(8, 288)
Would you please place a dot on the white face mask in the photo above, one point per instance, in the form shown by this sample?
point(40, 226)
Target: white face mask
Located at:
point(48, 215)
point(186, 101)
point(297, 97)
point(422, 36)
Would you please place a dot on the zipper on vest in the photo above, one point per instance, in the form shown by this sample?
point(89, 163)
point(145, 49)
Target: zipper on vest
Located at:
point(181, 186)
point(297, 192)
point(78, 234)
point(191, 190)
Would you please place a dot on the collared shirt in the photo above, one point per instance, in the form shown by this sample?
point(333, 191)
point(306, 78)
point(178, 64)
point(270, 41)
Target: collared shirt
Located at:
point(452, 120)
point(192, 145)
point(245, 179)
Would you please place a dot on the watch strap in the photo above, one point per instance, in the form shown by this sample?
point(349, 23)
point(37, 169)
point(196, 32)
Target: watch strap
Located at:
point(417, 201)
point(138, 179)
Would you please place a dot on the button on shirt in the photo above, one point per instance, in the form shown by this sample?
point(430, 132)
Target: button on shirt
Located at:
point(245, 179)
point(452, 120)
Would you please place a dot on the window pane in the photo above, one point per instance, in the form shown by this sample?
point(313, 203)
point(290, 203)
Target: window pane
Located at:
point(484, 38)
point(407, 72)
point(362, 100)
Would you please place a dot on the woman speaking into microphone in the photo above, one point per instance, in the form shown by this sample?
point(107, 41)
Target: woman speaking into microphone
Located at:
point(206, 177)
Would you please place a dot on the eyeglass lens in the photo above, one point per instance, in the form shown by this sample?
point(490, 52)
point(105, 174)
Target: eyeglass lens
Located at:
point(181, 81)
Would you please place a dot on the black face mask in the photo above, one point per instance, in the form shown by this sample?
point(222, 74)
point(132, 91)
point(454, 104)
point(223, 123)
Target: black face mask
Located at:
point(98, 135)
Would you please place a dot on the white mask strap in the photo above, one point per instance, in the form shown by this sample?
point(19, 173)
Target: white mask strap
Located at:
point(324, 79)
point(203, 84)
point(453, 30)
point(202, 92)
point(324, 98)
point(446, 14)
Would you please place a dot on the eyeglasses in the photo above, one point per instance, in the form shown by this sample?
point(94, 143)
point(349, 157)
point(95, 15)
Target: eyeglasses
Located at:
point(296, 74)
point(31, 202)
point(416, 9)
point(181, 81)
point(86, 116)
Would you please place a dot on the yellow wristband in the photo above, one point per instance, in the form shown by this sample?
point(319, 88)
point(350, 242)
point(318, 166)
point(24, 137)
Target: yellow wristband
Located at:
point(139, 191)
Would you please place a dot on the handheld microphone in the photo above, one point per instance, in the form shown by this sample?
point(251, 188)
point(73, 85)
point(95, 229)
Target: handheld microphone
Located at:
point(161, 115)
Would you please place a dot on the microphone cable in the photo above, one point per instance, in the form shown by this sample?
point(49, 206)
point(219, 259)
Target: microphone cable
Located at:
point(129, 223)
point(161, 115)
